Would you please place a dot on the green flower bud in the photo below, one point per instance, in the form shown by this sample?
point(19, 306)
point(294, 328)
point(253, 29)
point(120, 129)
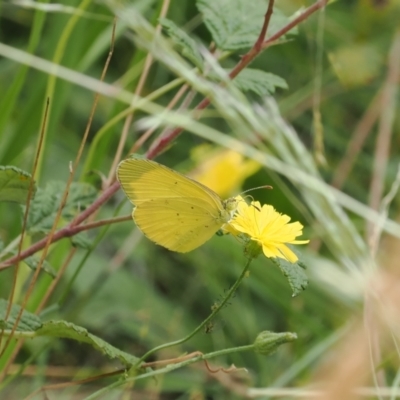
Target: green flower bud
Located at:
point(267, 342)
point(252, 249)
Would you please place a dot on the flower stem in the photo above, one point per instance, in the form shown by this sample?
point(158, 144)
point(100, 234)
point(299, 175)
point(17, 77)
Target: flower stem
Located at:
point(216, 310)
point(166, 369)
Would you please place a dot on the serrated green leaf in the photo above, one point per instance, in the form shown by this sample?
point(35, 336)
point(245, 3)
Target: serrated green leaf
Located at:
point(81, 240)
point(28, 323)
point(188, 46)
point(45, 206)
point(68, 330)
point(294, 273)
point(14, 184)
point(236, 24)
point(31, 325)
point(32, 262)
point(259, 82)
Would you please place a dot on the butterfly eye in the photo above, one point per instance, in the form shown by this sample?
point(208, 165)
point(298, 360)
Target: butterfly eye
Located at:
point(231, 204)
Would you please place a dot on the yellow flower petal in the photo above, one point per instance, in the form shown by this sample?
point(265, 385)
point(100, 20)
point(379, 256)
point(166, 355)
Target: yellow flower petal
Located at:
point(287, 253)
point(223, 170)
point(272, 230)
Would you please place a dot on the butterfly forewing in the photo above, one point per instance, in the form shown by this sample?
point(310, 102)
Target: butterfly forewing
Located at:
point(143, 180)
point(180, 225)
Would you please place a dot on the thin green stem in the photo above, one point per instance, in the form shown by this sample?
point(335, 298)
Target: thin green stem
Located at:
point(115, 119)
point(215, 311)
point(102, 276)
point(172, 367)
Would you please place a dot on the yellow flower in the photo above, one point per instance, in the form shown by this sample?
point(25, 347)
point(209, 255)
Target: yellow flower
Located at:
point(270, 229)
point(222, 170)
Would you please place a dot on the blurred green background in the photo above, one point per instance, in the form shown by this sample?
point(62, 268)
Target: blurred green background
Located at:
point(137, 295)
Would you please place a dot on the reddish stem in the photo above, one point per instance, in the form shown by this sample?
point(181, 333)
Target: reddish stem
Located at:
point(163, 142)
point(67, 231)
point(264, 29)
point(160, 145)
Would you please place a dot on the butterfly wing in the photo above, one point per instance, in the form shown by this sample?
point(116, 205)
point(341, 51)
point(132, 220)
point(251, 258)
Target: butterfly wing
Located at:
point(144, 180)
point(180, 224)
point(171, 209)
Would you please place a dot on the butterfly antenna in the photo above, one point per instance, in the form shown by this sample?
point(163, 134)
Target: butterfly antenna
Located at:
point(256, 188)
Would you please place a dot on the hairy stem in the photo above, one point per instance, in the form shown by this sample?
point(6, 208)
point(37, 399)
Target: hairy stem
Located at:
point(215, 311)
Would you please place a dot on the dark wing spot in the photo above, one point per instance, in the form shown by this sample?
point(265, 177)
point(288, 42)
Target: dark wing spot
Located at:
point(177, 214)
point(205, 226)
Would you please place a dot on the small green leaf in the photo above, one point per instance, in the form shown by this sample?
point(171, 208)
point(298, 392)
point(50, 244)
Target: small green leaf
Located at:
point(294, 273)
point(31, 326)
point(27, 324)
point(236, 24)
point(14, 184)
point(81, 240)
point(64, 329)
point(47, 201)
point(259, 82)
point(32, 262)
point(188, 46)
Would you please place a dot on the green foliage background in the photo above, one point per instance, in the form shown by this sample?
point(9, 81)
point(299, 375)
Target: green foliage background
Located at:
point(136, 295)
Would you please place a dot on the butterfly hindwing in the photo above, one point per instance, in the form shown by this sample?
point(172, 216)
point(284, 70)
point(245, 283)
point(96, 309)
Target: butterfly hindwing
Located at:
point(179, 225)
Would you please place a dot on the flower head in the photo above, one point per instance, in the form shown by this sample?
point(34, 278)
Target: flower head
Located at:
point(270, 229)
point(222, 170)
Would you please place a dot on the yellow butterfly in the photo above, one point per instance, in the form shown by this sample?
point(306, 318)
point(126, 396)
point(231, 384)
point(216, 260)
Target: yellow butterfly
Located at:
point(171, 209)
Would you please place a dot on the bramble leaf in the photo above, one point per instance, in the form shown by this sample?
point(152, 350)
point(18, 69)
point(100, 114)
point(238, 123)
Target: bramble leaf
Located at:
point(30, 325)
point(81, 240)
point(259, 82)
point(28, 322)
point(68, 330)
point(188, 46)
point(47, 201)
point(32, 262)
point(14, 184)
point(236, 24)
